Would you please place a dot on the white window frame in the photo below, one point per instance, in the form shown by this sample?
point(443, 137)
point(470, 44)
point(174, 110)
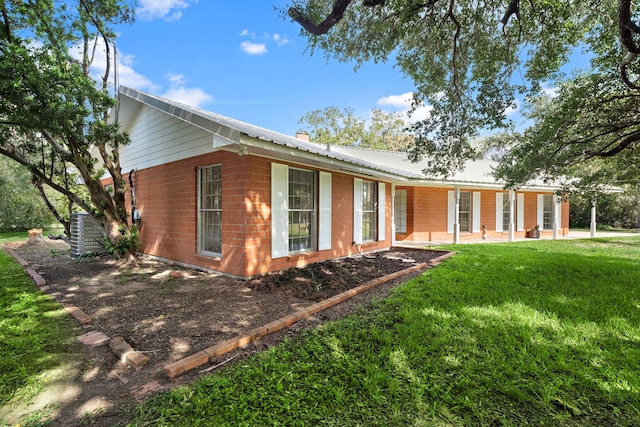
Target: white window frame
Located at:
point(280, 211)
point(372, 210)
point(204, 211)
point(469, 226)
point(308, 208)
point(380, 210)
point(400, 210)
point(542, 199)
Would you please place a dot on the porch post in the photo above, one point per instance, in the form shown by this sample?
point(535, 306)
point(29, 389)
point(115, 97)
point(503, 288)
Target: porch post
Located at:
point(512, 208)
point(593, 218)
point(393, 214)
point(456, 220)
point(556, 214)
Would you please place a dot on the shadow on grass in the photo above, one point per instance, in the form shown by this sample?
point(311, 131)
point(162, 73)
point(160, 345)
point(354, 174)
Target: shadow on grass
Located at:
point(36, 338)
point(542, 333)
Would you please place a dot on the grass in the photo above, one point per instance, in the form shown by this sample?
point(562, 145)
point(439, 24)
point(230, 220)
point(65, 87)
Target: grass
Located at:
point(532, 333)
point(35, 332)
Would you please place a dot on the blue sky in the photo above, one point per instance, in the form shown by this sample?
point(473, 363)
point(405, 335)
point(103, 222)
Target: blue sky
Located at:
point(241, 60)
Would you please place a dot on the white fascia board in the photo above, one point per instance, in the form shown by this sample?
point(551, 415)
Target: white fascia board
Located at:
point(220, 141)
point(479, 186)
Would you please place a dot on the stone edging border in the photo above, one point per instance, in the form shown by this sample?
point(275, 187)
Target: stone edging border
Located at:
point(203, 357)
point(82, 317)
point(182, 366)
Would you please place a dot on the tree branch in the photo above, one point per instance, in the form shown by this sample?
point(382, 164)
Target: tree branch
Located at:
point(66, 155)
point(628, 59)
point(456, 35)
point(7, 25)
point(37, 173)
point(625, 143)
point(513, 9)
point(339, 7)
point(38, 184)
point(106, 39)
point(626, 30)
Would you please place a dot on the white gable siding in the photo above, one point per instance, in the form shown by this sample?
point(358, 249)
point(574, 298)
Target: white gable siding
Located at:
point(157, 138)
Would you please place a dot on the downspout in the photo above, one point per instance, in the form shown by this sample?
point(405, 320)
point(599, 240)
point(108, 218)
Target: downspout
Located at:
point(135, 215)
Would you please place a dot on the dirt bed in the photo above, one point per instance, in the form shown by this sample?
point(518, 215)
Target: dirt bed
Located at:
point(169, 313)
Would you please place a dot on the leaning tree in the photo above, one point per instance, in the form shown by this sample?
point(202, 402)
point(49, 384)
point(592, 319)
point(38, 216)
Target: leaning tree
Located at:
point(54, 108)
point(471, 60)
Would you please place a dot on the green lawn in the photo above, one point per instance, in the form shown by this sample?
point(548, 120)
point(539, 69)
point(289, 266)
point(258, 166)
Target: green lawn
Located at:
point(533, 333)
point(35, 332)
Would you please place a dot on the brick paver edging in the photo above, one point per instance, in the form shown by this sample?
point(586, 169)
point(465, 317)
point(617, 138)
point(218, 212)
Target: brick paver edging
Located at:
point(37, 279)
point(82, 317)
point(189, 363)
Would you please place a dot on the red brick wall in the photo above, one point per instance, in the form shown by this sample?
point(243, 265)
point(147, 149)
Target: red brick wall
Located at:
point(427, 210)
point(167, 199)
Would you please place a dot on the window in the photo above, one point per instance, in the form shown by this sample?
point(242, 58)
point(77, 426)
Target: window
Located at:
point(464, 217)
point(302, 210)
point(547, 212)
point(400, 211)
point(210, 210)
point(369, 211)
point(506, 211)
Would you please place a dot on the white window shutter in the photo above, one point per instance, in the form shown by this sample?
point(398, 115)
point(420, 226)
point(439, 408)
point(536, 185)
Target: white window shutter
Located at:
point(357, 210)
point(540, 217)
point(559, 215)
point(499, 212)
point(279, 210)
point(382, 217)
point(451, 210)
point(520, 209)
point(324, 223)
point(475, 206)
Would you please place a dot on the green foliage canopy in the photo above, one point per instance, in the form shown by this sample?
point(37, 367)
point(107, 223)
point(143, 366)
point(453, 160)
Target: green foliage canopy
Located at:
point(586, 132)
point(333, 126)
point(470, 60)
point(53, 111)
point(20, 206)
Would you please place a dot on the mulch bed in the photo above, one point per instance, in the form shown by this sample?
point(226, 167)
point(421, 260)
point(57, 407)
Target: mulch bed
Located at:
point(169, 312)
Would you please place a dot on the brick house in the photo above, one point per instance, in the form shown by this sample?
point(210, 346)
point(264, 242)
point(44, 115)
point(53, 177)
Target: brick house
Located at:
point(219, 194)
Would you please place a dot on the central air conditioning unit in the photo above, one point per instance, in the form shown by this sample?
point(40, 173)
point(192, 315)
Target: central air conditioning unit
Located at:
point(87, 236)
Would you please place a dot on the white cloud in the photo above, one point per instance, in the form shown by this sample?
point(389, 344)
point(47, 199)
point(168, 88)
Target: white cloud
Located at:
point(178, 92)
point(126, 75)
point(280, 39)
point(514, 108)
point(258, 45)
point(253, 48)
point(402, 104)
point(169, 10)
point(551, 91)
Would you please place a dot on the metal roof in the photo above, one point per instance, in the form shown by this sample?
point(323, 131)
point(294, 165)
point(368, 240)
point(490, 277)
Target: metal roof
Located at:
point(388, 163)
